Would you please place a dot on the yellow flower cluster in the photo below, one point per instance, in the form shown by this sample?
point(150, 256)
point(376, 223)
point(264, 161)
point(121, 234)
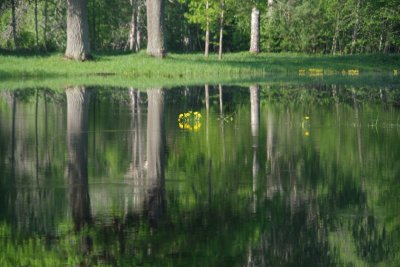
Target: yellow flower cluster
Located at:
point(395, 72)
point(189, 121)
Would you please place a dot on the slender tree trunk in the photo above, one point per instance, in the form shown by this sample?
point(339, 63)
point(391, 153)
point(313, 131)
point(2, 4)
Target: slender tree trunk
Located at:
point(207, 42)
point(155, 28)
point(270, 15)
point(14, 24)
point(78, 46)
point(133, 27)
point(255, 31)
point(270, 10)
point(387, 41)
point(336, 35)
point(36, 25)
point(45, 25)
point(355, 29)
point(221, 29)
point(139, 27)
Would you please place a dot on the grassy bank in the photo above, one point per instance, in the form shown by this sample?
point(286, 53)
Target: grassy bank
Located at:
point(142, 71)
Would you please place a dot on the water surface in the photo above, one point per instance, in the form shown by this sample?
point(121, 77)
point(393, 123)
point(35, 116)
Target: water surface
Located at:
point(262, 175)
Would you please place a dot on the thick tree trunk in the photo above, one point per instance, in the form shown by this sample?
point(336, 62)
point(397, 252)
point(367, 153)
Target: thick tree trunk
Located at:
point(255, 31)
point(221, 29)
point(78, 46)
point(14, 24)
point(155, 28)
point(77, 139)
point(207, 42)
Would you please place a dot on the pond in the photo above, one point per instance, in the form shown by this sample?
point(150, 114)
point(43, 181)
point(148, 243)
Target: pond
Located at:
point(249, 175)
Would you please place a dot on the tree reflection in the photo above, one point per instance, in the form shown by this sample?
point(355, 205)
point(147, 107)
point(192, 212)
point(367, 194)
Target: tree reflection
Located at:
point(78, 99)
point(155, 154)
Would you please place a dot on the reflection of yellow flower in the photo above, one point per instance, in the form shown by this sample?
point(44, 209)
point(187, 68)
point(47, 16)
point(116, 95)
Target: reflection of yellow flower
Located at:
point(306, 133)
point(189, 121)
point(316, 72)
point(354, 72)
point(307, 117)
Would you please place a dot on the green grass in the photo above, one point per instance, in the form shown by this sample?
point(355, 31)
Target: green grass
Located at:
point(139, 70)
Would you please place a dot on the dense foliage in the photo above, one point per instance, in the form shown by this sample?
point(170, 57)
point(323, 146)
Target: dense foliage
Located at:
point(311, 26)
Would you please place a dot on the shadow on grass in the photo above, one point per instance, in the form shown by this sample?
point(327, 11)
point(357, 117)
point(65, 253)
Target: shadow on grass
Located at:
point(25, 53)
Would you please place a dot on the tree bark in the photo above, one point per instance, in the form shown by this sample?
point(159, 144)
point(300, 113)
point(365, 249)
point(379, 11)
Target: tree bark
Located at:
point(207, 42)
point(14, 24)
point(255, 31)
point(221, 29)
point(155, 28)
point(78, 46)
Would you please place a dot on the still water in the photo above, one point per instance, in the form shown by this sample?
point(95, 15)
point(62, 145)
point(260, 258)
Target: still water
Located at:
point(263, 175)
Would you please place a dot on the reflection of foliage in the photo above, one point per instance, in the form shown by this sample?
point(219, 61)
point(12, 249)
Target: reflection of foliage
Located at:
point(335, 199)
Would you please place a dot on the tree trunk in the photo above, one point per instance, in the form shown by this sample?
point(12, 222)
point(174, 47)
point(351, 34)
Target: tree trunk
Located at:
point(155, 28)
point(139, 27)
point(221, 29)
point(336, 35)
point(14, 24)
point(45, 25)
point(270, 9)
point(36, 25)
point(133, 26)
point(207, 43)
point(78, 46)
point(355, 29)
point(77, 139)
point(255, 31)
